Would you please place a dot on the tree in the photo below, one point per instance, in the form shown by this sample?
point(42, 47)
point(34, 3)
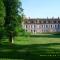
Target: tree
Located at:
point(13, 11)
point(2, 15)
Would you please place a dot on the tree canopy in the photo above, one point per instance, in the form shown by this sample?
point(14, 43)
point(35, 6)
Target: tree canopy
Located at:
point(13, 10)
point(2, 15)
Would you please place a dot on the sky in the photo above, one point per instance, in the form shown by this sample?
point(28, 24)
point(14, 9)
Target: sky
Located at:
point(41, 8)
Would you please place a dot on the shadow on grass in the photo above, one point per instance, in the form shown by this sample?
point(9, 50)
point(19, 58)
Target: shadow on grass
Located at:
point(49, 36)
point(29, 52)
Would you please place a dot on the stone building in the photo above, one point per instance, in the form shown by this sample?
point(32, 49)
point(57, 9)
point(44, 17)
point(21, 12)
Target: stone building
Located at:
point(42, 25)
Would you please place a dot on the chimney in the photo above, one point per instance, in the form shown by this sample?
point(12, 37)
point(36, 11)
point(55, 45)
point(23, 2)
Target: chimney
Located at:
point(29, 17)
point(47, 17)
point(53, 17)
point(58, 17)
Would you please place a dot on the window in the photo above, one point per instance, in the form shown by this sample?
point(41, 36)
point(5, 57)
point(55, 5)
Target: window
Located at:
point(58, 26)
point(42, 26)
point(26, 26)
point(54, 21)
point(55, 26)
point(31, 30)
point(34, 26)
point(44, 21)
point(36, 21)
point(39, 26)
point(26, 21)
point(48, 21)
point(46, 26)
point(39, 21)
point(51, 26)
point(58, 21)
point(32, 22)
point(34, 30)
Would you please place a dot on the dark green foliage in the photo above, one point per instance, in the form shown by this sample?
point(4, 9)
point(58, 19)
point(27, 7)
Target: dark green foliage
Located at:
point(2, 15)
point(10, 18)
point(13, 17)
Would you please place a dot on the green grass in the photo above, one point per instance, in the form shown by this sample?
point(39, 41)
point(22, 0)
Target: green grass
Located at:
point(31, 48)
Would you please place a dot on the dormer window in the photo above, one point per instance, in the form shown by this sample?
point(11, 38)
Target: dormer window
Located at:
point(39, 21)
point(58, 21)
point(48, 21)
point(44, 21)
point(32, 22)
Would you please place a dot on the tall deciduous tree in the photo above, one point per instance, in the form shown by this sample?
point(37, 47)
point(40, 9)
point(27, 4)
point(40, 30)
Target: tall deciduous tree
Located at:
point(2, 15)
point(13, 11)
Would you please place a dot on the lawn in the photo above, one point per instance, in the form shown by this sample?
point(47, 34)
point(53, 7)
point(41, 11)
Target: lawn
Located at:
point(31, 48)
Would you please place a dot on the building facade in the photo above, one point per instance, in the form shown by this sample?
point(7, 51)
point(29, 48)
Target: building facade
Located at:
point(42, 25)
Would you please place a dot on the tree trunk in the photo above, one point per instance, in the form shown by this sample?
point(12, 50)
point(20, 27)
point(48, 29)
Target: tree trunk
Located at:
point(10, 38)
